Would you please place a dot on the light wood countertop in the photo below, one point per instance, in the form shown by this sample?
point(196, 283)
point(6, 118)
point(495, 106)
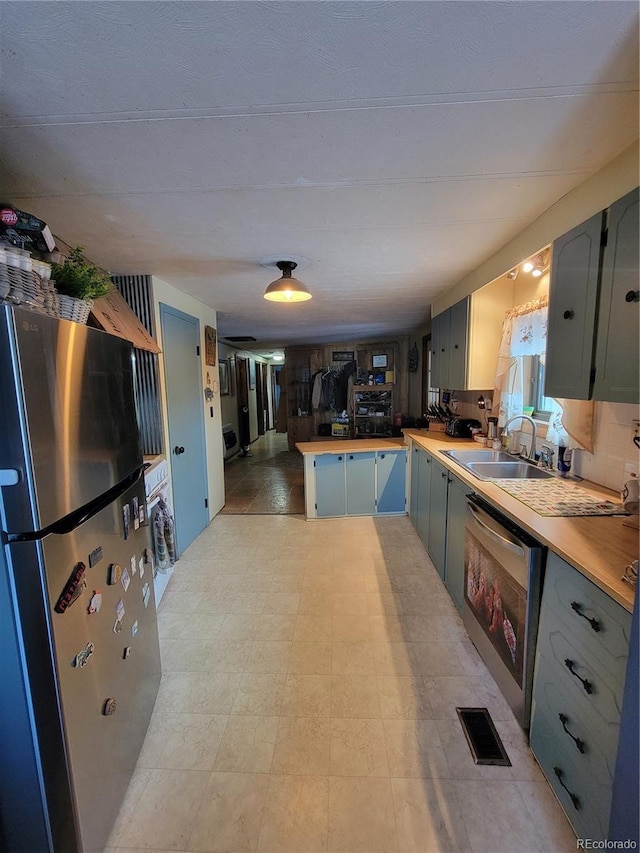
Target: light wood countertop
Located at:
point(598, 546)
point(350, 445)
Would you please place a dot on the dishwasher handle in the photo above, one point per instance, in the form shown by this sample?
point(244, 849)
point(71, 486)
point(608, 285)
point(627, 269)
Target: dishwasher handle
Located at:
point(504, 543)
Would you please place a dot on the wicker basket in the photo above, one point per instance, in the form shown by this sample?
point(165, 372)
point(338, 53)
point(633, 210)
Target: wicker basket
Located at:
point(70, 308)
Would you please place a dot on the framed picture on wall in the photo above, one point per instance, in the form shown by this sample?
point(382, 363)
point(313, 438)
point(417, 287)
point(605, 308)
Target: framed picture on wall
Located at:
point(224, 378)
point(252, 374)
point(210, 346)
point(379, 361)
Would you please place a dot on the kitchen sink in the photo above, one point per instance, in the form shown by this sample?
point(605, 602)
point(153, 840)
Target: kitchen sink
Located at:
point(507, 471)
point(463, 457)
point(496, 465)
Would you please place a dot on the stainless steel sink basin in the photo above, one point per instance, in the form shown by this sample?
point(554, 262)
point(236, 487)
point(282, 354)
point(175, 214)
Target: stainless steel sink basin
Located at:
point(507, 471)
point(496, 465)
point(463, 457)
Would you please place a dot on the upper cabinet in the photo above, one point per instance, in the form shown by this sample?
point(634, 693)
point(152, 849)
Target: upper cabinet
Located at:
point(465, 340)
point(592, 344)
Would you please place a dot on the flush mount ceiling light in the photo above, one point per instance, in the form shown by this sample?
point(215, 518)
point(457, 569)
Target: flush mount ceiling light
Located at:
point(287, 288)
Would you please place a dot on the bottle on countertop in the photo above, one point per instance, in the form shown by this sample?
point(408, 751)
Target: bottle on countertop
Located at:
point(564, 460)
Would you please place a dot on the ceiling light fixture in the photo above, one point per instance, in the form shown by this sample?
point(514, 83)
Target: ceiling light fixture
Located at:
point(287, 288)
point(527, 266)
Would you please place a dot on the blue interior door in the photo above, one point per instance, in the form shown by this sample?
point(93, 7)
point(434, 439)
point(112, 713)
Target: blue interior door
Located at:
point(183, 378)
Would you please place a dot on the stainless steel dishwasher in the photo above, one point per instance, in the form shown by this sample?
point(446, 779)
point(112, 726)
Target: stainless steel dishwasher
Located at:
point(502, 587)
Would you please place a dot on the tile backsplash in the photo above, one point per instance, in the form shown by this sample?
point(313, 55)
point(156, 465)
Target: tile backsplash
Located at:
point(614, 447)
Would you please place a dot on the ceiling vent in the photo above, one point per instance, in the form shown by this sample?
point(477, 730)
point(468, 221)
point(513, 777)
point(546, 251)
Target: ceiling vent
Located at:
point(238, 339)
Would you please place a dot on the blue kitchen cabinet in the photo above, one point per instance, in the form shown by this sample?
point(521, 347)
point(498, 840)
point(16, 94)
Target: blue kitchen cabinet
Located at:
point(581, 659)
point(436, 543)
point(413, 496)
point(361, 483)
point(422, 469)
point(390, 481)
point(331, 488)
point(454, 550)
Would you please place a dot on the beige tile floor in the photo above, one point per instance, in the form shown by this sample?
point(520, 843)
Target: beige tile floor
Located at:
point(311, 672)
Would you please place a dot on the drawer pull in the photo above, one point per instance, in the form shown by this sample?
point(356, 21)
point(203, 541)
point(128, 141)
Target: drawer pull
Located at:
point(574, 799)
point(579, 743)
point(588, 686)
point(577, 608)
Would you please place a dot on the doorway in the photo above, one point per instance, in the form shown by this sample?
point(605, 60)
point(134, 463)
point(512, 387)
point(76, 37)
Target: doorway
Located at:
point(183, 380)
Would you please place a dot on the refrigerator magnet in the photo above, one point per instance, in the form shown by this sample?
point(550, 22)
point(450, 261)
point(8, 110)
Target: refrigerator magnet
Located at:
point(95, 556)
point(133, 564)
point(125, 580)
point(141, 566)
point(120, 609)
point(126, 653)
point(82, 658)
point(96, 602)
point(134, 628)
point(72, 589)
point(146, 594)
point(110, 707)
point(141, 514)
point(134, 513)
point(117, 626)
point(126, 523)
point(115, 573)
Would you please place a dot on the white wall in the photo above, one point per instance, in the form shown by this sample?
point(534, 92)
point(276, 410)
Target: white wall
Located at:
point(214, 447)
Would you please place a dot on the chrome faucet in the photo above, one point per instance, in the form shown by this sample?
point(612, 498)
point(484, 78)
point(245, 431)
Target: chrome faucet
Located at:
point(531, 455)
point(546, 457)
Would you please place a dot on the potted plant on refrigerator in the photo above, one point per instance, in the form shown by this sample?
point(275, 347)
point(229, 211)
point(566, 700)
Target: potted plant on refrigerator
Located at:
point(78, 282)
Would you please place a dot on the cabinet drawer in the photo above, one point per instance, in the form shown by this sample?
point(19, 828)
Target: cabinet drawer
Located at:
point(581, 737)
point(583, 679)
point(597, 623)
point(588, 813)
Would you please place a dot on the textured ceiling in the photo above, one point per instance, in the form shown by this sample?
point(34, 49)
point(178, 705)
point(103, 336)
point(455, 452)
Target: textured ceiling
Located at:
point(394, 146)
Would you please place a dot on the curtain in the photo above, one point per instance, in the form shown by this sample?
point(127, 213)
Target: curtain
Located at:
point(524, 333)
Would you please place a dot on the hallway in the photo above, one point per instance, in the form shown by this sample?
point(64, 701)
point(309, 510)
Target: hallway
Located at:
point(270, 481)
point(311, 672)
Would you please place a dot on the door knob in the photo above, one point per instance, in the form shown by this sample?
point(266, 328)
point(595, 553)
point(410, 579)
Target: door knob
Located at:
point(178, 450)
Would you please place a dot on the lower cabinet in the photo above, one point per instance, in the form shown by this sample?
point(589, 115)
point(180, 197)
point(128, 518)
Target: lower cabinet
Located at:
point(360, 483)
point(583, 640)
point(454, 551)
point(420, 491)
point(331, 493)
point(436, 543)
point(437, 509)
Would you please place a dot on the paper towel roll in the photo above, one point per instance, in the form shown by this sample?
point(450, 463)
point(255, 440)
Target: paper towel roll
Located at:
point(630, 496)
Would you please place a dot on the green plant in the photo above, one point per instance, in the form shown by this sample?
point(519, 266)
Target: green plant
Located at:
point(79, 278)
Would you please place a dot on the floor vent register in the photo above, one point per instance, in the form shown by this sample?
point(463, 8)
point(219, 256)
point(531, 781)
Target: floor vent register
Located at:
point(482, 737)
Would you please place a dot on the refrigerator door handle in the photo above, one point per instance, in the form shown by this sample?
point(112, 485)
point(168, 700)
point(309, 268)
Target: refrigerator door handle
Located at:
point(75, 519)
point(9, 477)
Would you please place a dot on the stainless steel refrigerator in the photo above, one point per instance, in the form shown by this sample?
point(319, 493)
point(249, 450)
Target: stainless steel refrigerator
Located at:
point(79, 629)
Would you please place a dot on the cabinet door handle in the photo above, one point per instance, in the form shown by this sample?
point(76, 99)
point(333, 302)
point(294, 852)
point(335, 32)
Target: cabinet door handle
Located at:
point(575, 800)
point(588, 686)
point(442, 474)
point(632, 296)
point(568, 315)
point(340, 458)
point(577, 608)
point(351, 457)
point(579, 743)
point(178, 450)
